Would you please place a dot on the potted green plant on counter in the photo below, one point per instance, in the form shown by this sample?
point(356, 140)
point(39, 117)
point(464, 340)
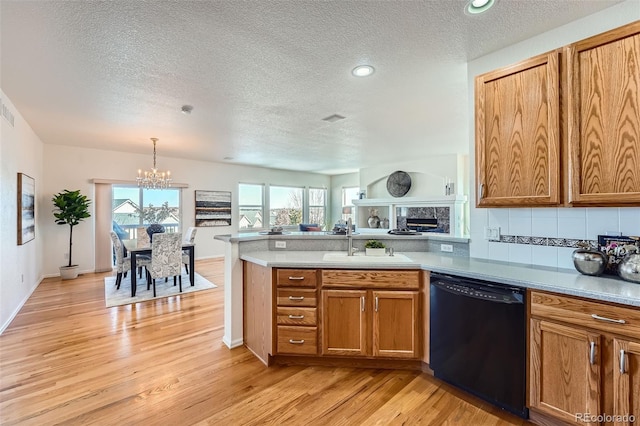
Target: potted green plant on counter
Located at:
point(374, 248)
point(71, 208)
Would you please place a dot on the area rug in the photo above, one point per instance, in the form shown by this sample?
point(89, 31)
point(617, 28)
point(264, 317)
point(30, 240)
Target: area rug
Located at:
point(114, 297)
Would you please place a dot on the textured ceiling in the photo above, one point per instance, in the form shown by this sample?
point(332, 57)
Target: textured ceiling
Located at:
point(261, 75)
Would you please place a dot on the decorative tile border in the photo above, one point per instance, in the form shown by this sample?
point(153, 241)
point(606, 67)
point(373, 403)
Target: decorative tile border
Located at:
point(545, 241)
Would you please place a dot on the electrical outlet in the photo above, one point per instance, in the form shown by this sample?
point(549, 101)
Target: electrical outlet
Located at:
point(281, 244)
point(446, 247)
point(492, 234)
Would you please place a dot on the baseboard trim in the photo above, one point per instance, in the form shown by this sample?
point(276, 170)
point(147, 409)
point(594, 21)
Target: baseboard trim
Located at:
point(15, 312)
point(232, 344)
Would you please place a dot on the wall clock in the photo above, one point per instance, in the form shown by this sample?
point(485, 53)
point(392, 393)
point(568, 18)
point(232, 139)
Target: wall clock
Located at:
point(398, 183)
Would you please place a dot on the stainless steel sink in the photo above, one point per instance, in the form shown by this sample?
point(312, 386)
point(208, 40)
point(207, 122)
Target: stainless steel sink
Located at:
point(340, 256)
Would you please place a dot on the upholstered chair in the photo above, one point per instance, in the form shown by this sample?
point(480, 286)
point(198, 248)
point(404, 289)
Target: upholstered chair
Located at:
point(123, 263)
point(166, 259)
point(189, 238)
point(154, 229)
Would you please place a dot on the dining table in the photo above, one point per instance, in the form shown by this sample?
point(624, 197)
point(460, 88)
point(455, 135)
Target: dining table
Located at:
point(131, 246)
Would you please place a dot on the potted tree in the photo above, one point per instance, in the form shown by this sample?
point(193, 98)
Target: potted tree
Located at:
point(374, 248)
point(71, 208)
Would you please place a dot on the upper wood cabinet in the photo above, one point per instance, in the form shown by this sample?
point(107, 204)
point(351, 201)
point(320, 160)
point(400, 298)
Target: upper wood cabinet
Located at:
point(517, 134)
point(525, 157)
point(603, 118)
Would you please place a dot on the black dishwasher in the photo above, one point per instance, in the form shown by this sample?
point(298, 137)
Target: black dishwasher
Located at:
point(478, 332)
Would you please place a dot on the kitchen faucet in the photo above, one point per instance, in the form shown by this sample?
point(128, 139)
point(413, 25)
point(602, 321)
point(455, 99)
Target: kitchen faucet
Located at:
point(349, 238)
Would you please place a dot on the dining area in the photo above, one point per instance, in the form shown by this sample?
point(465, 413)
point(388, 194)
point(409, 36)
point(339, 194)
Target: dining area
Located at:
point(152, 255)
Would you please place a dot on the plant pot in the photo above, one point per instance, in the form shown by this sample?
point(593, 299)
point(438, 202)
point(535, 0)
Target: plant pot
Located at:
point(69, 272)
point(375, 251)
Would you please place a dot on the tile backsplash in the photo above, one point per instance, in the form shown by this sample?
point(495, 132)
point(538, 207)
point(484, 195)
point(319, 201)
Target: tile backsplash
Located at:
point(546, 236)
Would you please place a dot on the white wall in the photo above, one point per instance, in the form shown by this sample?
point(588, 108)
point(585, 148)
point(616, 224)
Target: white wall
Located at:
point(338, 182)
point(74, 168)
point(575, 223)
point(20, 266)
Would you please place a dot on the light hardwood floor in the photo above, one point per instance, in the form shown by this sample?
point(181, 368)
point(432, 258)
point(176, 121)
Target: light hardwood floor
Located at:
point(66, 359)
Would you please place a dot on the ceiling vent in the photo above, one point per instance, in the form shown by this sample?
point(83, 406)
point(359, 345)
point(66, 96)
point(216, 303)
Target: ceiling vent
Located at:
point(333, 118)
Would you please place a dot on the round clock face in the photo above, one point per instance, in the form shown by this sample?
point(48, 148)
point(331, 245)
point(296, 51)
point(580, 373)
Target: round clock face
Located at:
point(398, 183)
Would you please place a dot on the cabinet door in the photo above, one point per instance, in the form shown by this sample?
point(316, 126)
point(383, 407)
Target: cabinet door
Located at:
point(344, 322)
point(517, 134)
point(603, 118)
point(396, 324)
point(626, 381)
point(564, 368)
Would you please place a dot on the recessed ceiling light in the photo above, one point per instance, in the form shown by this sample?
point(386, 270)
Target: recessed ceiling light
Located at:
point(362, 70)
point(475, 7)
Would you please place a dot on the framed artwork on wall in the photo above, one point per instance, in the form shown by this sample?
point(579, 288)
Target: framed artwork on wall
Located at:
point(213, 208)
point(26, 208)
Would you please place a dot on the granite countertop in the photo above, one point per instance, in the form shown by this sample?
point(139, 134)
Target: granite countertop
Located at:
point(358, 235)
point(565, 281)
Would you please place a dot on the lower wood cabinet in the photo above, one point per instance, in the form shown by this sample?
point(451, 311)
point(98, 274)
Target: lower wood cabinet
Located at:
point(379, 323)
point(584, 360)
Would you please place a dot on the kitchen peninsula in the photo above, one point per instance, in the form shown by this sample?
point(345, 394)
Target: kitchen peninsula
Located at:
point(308, 249)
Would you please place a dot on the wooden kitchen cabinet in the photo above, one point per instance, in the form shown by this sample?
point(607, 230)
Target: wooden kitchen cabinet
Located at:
point(603, 118)
point(517, 116)
point(378, 317)
point(296, 312)
point(344, 322)
point(395, 324)
point(584, 357)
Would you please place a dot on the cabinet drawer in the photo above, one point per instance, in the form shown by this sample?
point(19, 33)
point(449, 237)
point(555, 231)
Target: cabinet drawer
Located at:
point(600, 316)
point(297, 340)
point(297, 316)
point(296, 278)
point(297, 297)
point(338, 278)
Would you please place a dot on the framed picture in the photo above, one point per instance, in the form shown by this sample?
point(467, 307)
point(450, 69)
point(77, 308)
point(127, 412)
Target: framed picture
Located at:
point(26, 208)
point(213, 208)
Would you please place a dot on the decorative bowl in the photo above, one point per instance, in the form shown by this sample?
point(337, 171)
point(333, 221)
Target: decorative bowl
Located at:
point(629, 268)
point(589, 261)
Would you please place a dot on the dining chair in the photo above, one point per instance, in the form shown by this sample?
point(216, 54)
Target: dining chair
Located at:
point(166, 259)
point(123, 263)
point(189, 238)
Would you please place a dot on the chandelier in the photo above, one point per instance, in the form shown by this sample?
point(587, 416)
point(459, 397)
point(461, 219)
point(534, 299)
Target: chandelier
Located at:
point(154, 179)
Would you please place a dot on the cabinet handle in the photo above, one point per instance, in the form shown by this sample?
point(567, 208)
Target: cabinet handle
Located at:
point(598, 317)
point(296, 342)
point(362, 303)
point(622, 361)
point(376, 303)
point(296, 278)
point(296, 316)
point(481, 190)
point(592, 353)
point(296, 298)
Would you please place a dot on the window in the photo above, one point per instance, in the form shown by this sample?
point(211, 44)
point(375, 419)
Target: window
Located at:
point(317, 206)
point(285, 205)
point(251, 206)
point(161, 206)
